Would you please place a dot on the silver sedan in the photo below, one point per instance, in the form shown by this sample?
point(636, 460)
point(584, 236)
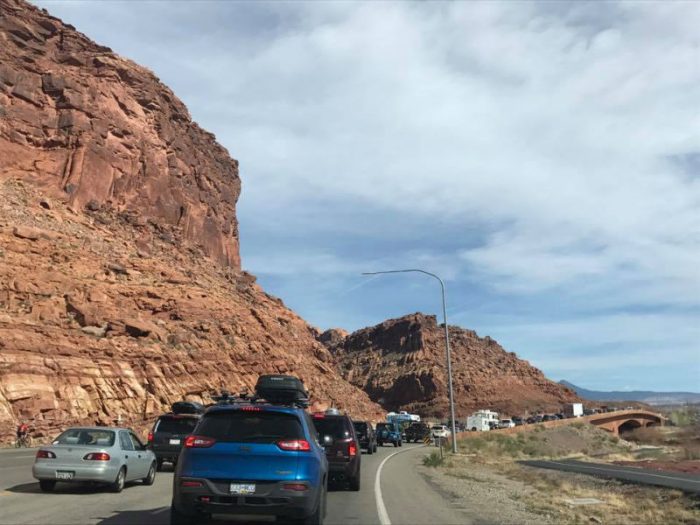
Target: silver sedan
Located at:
point(106, 455)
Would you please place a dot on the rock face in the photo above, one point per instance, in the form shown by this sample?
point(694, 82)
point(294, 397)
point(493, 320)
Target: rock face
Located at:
point(120, 285)
point(400, 363)
point(103, 131)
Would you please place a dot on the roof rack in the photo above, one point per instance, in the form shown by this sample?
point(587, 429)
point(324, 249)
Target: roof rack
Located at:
point(226, 398)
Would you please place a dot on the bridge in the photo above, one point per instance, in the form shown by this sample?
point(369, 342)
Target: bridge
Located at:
point(624, 420)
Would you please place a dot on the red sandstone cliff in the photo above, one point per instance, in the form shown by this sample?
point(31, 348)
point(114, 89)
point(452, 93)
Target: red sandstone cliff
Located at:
point(120, 281)
point(91, 127)
point(400, 363)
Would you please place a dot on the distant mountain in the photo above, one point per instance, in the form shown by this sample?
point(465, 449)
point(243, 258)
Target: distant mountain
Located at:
point(643, 396)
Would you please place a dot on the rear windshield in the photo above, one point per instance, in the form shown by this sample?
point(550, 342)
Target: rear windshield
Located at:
point(438, 427)
point(336, 427)
point(250, 427)
point(86, 436)
point(360, 426)
point(381, 426)
point(171, 425)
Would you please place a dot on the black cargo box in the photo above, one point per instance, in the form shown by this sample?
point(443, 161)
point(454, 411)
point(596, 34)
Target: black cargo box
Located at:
point(281, 389)
point(187, 407)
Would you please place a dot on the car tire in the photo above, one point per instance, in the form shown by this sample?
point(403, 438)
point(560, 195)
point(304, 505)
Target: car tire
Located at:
point(355, 482)
point(151, 477)
point(47, 485)
point(159, 465)
point(380, 443)
point(375, 447)
point(401, 443)
point(370, 449)
point(396, 443)
point(178, 518)
point(118, 484)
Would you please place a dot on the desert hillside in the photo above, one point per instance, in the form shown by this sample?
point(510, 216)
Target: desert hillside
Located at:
point(400, 363)
point(120, 282)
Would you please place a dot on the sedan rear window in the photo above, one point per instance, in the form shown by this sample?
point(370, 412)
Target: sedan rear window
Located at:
point(172, 425)
point(86, 436)
point(250, 427)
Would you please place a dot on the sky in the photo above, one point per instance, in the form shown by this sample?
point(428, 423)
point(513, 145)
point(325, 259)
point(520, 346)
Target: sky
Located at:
point(542, 158)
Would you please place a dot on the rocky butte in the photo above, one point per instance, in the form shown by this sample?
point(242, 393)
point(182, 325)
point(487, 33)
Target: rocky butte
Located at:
point(120, 282)
point(400, 363)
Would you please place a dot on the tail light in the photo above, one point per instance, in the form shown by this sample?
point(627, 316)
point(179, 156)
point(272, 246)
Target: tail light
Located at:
point(297, 487)
point(150, 437)
point(300, 445)
point(97, 456)
point(319, 415)
point(45, 454)
point(251, 409)
point(352, 449)
point(198, 442)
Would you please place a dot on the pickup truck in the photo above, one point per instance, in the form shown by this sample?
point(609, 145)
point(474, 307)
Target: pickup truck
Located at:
point(388, 433)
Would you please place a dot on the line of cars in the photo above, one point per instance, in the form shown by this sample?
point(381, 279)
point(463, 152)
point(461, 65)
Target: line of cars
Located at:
point(263, 454)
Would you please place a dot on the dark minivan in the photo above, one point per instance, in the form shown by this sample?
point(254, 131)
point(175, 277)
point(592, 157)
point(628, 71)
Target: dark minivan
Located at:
point(337, 434)
point(366, 436)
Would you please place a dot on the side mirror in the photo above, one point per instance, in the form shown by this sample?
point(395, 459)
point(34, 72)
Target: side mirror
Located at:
point(327, 441)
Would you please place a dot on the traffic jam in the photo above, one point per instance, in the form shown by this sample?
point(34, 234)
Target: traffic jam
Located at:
point(261, 455)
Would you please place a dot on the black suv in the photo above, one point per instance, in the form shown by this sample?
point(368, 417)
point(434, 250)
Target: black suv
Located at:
point(366, 436)
point(417, 432)
point(337, 435)
point(168, 436)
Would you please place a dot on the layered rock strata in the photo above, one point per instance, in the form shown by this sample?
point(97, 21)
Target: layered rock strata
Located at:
point(401, 364)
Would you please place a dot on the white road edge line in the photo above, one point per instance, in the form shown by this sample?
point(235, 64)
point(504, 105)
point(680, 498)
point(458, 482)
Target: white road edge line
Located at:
point(625, 472)
point(381, 508)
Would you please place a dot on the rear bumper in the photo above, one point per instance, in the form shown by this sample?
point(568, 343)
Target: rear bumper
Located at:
point(166, 452)
point(270, 499)
point(343, 470)
point(105, 473)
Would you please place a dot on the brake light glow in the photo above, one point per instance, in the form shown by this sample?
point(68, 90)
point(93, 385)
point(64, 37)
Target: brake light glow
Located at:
point(352, 449)
point(97, 456)
point(319, 415)
point(150, 437)
point(191, 484)
point(45, 454)
point(297, 487)
point(300, 445)
point(198, 442)
point(251, 409)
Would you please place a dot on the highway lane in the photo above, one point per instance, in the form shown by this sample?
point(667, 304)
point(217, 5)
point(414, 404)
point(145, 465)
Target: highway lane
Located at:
point(407, 497)
point(677, 480)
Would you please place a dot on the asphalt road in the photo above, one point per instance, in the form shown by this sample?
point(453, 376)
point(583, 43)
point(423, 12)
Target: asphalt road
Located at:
point(677, 480)
point(403, 495)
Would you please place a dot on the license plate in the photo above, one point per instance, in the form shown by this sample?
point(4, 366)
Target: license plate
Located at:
point(174, 441)
point(242, 488)
point(64, 474)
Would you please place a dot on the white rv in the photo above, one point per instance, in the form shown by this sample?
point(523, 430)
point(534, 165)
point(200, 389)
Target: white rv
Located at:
point(482, 421)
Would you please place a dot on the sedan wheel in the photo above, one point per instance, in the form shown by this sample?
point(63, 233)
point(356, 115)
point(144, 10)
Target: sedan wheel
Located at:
point(148, 480)
point(118, 484)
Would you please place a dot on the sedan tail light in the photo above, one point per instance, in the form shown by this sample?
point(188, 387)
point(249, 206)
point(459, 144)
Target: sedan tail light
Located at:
point(198, 442)
point(97, 456)
point(150, 437)
point(300, 445)
point(352, 449)
point(45, 454)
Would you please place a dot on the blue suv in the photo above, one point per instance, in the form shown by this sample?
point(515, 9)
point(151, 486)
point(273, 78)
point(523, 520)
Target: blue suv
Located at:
point(251, 458)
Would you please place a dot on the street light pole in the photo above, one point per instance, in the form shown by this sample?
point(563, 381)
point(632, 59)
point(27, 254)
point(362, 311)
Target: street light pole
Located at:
point(447, 348)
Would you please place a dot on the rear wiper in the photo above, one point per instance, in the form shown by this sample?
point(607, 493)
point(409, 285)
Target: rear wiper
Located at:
point(257, 437)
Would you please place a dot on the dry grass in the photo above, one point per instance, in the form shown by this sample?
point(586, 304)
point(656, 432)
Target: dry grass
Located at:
point(622, 503)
